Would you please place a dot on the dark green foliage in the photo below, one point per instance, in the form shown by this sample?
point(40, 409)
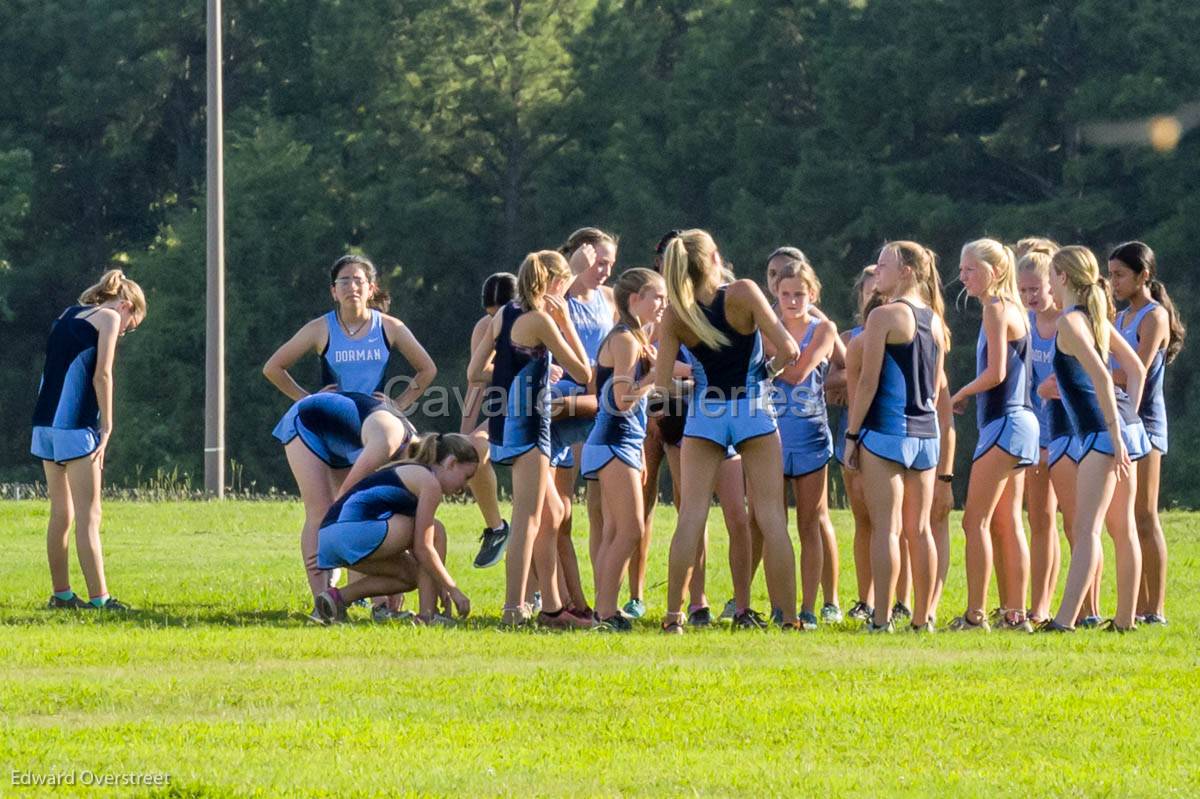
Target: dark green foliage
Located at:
point(445, 139)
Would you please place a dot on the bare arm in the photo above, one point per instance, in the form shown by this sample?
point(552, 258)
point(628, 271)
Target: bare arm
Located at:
point(945, 414)
point(108, 324)
point(624, 350)
point(747, 294)
point(429, 496)
point(482, 353)
point(1153, 334)
point(1130, 363)
point(819, 349)
point(874, 340)
point(404, 342)
point(560, 338)
point(668, 349)
point(995, 329)
point(307, 339)
point(476, 389)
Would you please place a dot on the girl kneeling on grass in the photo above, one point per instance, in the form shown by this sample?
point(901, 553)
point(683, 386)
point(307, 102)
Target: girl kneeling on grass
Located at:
point(72, 425)
point(384, 528)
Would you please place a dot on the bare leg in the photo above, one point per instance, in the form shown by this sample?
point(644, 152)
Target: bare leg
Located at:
point(699, 464)
point(1153, 592)
point(809, 491)
point(884, 503)
point(1009, 537)
point(316, 492)
point(483, 485)
point(731, 493)
point(1043, 540)
point(918, 500)
point(58, 528)
point(83, 475)
point(762, 462)
point(1123, 530)
point(988, 477)
point(622, 494)
point(862, 535)
point(1096, 483)
point(530, 478)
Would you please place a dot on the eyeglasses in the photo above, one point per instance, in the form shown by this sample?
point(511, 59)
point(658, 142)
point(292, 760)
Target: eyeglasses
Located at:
point(347, 282)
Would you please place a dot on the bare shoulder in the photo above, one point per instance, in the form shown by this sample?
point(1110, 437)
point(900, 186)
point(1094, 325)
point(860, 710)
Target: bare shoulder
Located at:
point(744, 290)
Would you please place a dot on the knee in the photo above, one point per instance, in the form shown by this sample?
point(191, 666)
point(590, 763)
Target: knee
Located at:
point(1147, 521)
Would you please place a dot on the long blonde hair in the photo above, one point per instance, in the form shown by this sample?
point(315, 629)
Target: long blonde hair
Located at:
point(537, 271)
point(1000, 260)
point(1079, 266)
point(687, 265)
point(114, 285)
point(923, 263)
point(1035, 244)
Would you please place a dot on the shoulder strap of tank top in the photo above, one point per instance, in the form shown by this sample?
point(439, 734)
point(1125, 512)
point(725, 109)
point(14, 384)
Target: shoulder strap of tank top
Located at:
point(1140, 315)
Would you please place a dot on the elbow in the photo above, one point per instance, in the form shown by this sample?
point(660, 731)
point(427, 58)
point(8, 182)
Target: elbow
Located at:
point(582, 374)
point(428, 374)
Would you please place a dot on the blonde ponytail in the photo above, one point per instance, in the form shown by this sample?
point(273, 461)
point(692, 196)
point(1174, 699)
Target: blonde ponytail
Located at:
point(537, 272)
point(923, 263)
point(999, 258)
point(685, 266)
point(1082, 272)
point(113, 285)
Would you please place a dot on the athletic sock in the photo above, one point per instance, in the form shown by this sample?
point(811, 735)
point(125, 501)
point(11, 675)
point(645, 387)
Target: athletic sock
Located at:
point(99, 601)
point(65, 596)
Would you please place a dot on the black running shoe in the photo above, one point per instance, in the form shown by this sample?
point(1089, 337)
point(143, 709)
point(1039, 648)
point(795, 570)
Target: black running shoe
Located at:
point(861, 611)
point(1051, 626)
point(492, 546)
point(901, 611)
point(748, 619)
point(113, 605)
point(615, 624)
point(700, 617)
point(74, 603)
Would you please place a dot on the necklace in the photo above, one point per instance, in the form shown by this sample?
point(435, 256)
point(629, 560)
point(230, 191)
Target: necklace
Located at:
point(352, 333)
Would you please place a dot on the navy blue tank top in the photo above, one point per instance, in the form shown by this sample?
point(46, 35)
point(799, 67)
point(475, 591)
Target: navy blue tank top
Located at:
point(731, 372)
point(375, 498)
point(1078, 392)
point(905, 402)
point(612, 426)
point(515, 369)
point(1013, 392)
point(355, 364)
point(1052, 416)
point(66, 396)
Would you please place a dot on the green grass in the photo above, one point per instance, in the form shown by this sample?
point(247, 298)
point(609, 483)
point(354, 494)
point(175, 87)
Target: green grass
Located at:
point(217, 682)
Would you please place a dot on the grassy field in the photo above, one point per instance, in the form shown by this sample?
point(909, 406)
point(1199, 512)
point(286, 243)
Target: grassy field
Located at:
point(218, 682)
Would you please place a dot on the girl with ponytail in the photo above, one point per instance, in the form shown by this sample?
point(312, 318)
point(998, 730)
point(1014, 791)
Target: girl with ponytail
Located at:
point(1106, 483)
point(72, 425)
point(721, 324)
point(523, 337)
point(1008, 439)
point(612, 454)
point(385, 528)
point(1151, 325)
point(893, 430)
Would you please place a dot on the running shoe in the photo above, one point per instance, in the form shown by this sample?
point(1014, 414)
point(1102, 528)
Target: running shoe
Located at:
point(76, 602)
point(634, 609)
point(436, 620)
point(1014, 620)
point(963, 624)
point(492, 545)
point(730, 610)
point(615, 624)
point(901, 611)
point(672, 624)
point(880, 629)
point(861, 611)
point(331, 607)
point(516, 617)
point(382, 614)
point(807, 620)
point(700, 617)
point(748, 619)
point(1051, 626)
point(1110, 626)
point(1153, 618)
point(564, 620)
point(111, 605)
point(1089, 622)
point(831, 613)
point(927, 627)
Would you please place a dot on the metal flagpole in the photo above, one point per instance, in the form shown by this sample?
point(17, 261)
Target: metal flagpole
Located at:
point(214, 352)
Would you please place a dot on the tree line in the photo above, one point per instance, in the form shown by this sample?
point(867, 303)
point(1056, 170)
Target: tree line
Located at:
point(445, 138)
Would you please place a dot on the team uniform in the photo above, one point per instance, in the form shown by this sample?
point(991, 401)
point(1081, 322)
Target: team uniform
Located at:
point(1003, 413)
point(901, 425)
point(358, 365)
point(729, 404)
point(330, 425)
point(66, 418)
point(358, 522)
point(842, 418)
point(1088, 430)
point(593, 321)
point(1054, 428)
point(1153, 410)
point(615, 434)
point(520, 383)
point(801, 415)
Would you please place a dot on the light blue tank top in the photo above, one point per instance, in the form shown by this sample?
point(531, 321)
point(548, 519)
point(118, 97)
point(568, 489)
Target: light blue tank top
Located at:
point(358, 364)
point(1153, 411)
point(593, 320)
